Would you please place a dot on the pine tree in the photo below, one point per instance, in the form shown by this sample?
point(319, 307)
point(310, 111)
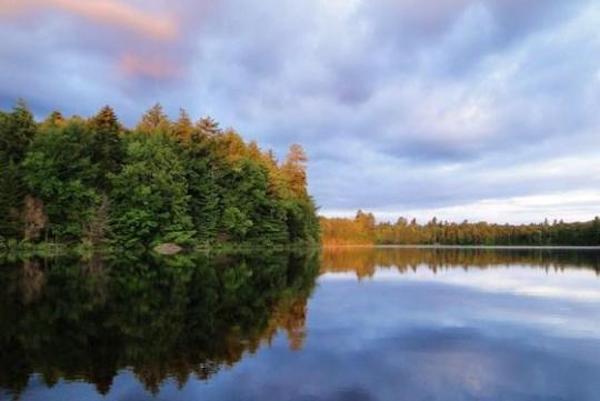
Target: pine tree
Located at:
point(202, 173)
point(207, 127)
point(54, 119)
point(105, 144)
point(294, 168)
point(154, 121)
point(183, 129)
point(17, 130)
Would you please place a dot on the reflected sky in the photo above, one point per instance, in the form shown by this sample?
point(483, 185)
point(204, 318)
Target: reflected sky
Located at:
point(503, 330)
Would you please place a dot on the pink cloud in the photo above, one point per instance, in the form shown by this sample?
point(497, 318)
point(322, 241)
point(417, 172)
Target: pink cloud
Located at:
point(137, 66)
point(107, 12)
point(8, 7)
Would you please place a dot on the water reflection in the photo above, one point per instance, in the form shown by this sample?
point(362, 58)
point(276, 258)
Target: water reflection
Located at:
point(365, 260)
point(160, 318)
point(348, 324)
point(458, 324)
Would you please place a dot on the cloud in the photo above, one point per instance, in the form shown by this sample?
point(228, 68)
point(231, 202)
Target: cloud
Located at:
point(402, 105)
point(133, 65)
point(114, 13)
point(461, 335)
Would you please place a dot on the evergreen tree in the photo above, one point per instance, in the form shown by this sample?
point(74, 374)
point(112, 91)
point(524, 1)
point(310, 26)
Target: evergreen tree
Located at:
point(294, 168)
point(105, 144)
point(206, 126)
point(183, 129)
point(54, 119)
point(17, 130)
point(154, 121)
point(202, 172)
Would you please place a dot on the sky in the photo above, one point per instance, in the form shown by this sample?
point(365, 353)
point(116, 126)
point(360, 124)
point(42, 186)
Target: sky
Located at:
point(460, 109)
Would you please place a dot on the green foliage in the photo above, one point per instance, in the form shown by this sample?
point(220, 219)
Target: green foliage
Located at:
point(301, 220)
point(17, 130)
point(239, 194)
point(202, 175)
point(249, 214)
point(91, 180)
point(105, 144)
point(11, 200)
point(60, 171)
point(149, 195)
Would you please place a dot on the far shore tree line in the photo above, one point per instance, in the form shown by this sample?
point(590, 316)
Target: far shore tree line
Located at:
point(93, 181)
point(364, 230)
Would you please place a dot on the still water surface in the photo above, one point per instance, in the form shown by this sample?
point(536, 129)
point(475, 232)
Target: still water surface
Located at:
point(346, 324)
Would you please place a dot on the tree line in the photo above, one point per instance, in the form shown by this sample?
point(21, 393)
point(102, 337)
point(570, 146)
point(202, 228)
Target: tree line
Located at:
point(364, 230)
point(94, 181)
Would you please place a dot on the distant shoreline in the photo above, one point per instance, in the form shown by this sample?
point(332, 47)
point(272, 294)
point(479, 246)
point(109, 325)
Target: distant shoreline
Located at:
point(550, 247)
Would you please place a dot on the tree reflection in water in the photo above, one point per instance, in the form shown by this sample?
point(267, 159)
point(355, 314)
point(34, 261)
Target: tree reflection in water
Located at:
point(159, 317)
point(364, 261)
point(184, 318)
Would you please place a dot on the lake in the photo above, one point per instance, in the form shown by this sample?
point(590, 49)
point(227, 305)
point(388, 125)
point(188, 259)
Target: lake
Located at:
point(341, 324)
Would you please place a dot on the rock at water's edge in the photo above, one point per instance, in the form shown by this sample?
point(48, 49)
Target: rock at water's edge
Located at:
point(168, 248)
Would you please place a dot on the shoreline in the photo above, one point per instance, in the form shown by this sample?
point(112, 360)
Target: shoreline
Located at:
point(491, 247)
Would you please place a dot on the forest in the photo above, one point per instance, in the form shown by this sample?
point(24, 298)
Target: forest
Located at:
point(364, 230)
point(94, 182)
